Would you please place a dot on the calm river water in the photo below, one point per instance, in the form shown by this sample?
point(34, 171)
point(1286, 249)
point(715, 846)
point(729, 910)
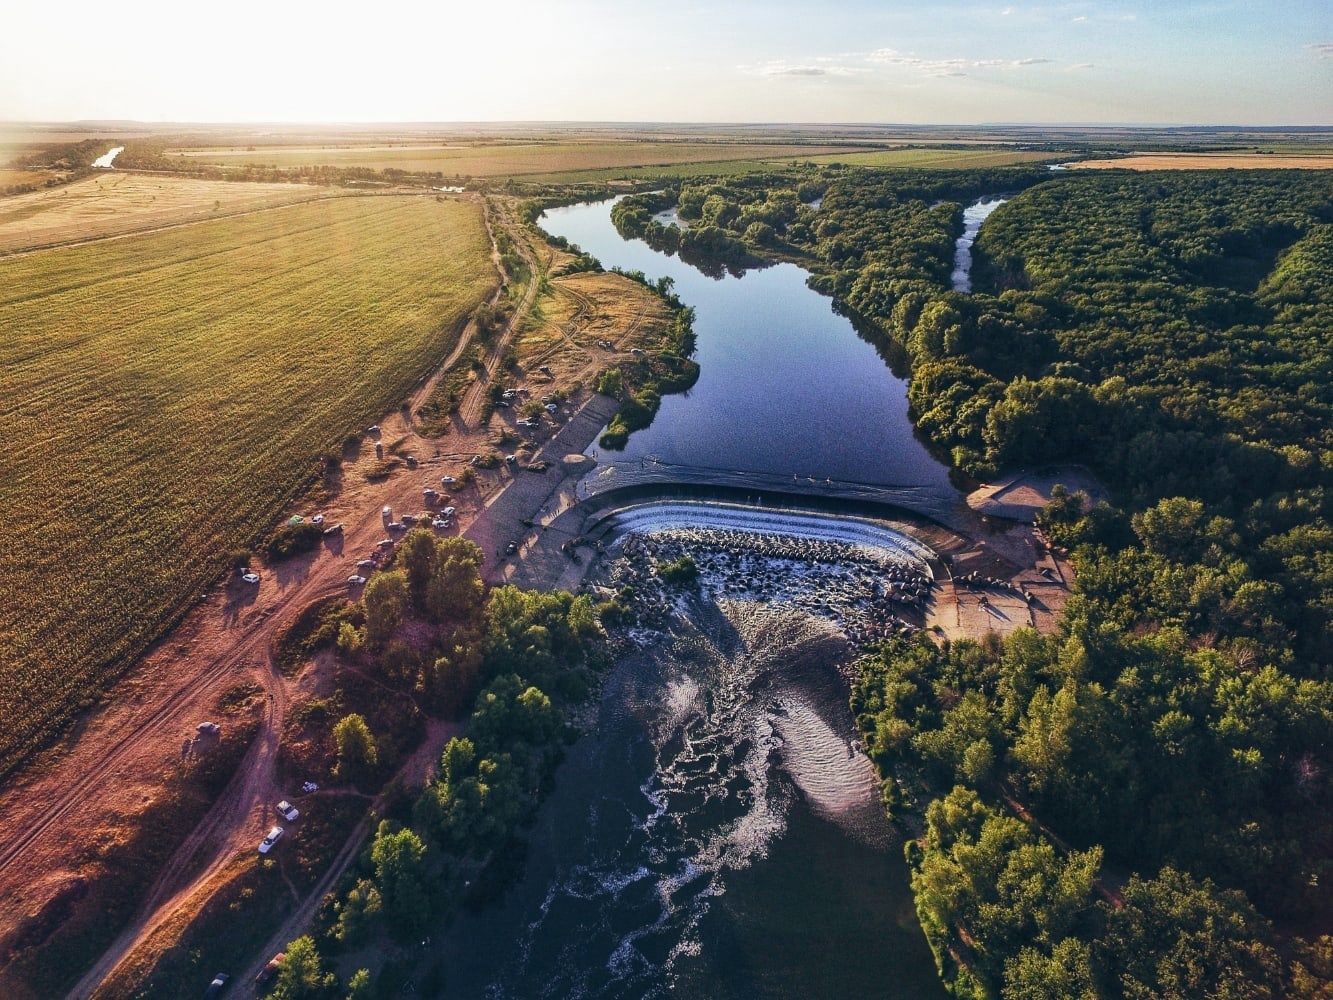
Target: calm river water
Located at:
point(717, 834)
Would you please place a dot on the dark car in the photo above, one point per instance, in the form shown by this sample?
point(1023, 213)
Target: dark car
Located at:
point(216, 987)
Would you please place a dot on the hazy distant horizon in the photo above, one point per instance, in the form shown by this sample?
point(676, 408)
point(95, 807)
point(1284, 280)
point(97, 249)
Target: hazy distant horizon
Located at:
point(949, 62)
point(571, 123)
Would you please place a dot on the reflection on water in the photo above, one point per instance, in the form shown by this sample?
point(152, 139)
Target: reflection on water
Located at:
point(786, 386)
point(973, 217)
point(718, 832)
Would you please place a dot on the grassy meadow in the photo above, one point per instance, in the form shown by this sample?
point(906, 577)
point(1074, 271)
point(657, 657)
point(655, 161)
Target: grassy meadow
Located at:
point(1214, 161)
point(907, 157)
point(165, 395)
point(502, 159)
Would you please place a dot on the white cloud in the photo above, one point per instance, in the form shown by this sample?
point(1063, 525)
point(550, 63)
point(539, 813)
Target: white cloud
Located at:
point(1079, 67)
point(1321, 50)
point(1081, 19)
point(819, 66)
point(949, 67)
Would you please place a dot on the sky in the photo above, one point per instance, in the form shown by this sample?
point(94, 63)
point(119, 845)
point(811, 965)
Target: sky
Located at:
point(1268, 62)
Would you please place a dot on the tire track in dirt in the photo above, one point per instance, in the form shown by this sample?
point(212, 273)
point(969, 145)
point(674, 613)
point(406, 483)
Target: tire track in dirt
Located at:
point(224, 828)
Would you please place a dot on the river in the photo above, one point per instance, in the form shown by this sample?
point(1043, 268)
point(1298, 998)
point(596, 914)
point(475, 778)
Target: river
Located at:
point(105, 161)
point(973, 217)
point(785, 385)
point(717, 833)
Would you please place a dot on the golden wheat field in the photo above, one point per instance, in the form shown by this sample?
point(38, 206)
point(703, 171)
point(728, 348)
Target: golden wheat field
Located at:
point(164, 395)
point(109, 204)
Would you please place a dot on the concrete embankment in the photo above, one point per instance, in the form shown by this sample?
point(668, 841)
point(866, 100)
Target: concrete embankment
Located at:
point(521, 513)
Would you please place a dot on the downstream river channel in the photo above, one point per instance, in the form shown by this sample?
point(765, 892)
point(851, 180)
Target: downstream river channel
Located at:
point(718, 833)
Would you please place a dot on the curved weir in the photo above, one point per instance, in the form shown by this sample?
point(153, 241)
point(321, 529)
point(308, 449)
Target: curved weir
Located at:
point(677, 515)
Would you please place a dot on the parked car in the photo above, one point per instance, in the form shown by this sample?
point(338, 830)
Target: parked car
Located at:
point(366, 564)
point(356, 580)
point(373, 429)
point(273, 837)
point(309, 786)
point(409, 519)
point(441, 523)
point(384, 543)
point(270, 970)
point(216, 987)
point(447, 480)
point(288, 811)
point(447, 512)
point(387, 511)
point(334, 529)
point(251, 577)
point(511, 459)
point(210, 728)
point(317, 519)
point(552, 408)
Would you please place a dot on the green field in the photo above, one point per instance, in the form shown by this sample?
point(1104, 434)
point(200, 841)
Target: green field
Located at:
point(917, 158)
point(502, 159)
point(165, 396)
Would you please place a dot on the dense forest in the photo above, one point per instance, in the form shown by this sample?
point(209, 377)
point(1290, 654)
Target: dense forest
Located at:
point(1137, 805)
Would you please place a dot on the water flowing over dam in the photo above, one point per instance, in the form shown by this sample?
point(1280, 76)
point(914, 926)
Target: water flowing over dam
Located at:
point(718, 831)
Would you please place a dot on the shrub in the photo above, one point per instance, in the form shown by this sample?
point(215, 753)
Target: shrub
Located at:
point(293, 539)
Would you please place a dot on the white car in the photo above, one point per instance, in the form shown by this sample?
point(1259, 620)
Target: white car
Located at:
point(273, 837)
point(251, 578)
point(356, 580)
point(447, 512)
point(373, 429)
point(288, 811)
point(552, 408)
point(366, 564)
point(384, 543)
point(309, 786)
point(317, 519)
point(441, 522)
point(210, 728)
point(447, 480)
point(387, 511)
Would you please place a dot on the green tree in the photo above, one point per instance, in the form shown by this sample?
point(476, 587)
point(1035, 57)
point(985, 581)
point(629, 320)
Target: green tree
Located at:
point(301, 975)
point(1065, 973)
point(399, 857)
point(360, 986)
point(1178, 938)
point(385, 598)
point(357, 913)
point(358, 754)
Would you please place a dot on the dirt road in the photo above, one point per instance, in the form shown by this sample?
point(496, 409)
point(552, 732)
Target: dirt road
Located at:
point(89, 789)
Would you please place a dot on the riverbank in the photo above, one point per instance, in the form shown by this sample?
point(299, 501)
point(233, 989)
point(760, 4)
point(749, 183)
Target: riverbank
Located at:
point(713, 833)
